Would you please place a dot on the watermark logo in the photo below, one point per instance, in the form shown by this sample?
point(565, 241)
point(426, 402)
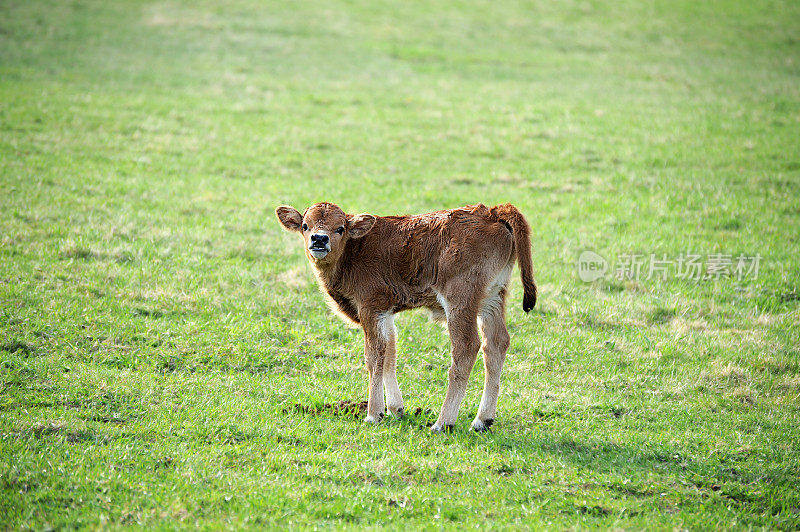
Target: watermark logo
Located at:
point(687, 266)
point(591, 266)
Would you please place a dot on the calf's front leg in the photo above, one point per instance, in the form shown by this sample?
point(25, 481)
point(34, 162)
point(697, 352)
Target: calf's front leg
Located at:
point(374, 352)
point(394, 399)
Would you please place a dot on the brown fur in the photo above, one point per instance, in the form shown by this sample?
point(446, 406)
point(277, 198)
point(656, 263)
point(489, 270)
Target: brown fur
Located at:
point(456, 263)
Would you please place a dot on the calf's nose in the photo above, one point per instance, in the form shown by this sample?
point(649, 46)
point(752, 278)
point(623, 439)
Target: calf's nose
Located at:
point(319, 239)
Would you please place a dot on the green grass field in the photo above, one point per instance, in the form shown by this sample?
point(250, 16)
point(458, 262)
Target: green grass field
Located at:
point(166, 359)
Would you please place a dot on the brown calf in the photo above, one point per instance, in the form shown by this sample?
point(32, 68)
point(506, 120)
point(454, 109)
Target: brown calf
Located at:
point(457, 263)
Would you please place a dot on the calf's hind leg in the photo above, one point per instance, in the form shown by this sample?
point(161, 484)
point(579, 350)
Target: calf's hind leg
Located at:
point(463, 329)
point(492, 324)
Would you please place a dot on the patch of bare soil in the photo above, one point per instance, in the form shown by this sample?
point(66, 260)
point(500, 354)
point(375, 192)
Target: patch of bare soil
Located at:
point(340, 408)
point(344, 408)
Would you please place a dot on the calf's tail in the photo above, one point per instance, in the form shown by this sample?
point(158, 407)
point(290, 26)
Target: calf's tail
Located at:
point(522, 245)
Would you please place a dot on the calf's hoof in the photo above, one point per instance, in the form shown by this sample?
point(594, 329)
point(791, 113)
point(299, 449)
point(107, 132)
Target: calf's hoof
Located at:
point(436, 428)
point(373, 419)
point(397, 412)
point(482, 426)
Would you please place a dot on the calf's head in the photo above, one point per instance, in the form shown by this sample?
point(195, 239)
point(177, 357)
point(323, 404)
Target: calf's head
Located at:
point(325, 229)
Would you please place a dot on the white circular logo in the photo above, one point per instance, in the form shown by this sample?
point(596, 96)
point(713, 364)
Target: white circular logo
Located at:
point(591, 266)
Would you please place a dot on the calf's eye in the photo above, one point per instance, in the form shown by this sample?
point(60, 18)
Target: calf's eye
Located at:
point(305, 227)
point(340, 230)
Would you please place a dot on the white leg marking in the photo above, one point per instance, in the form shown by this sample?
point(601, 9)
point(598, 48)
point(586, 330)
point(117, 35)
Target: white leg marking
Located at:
point(501, 281)
point(386, 326)
point(445, 306)
point(394, 399)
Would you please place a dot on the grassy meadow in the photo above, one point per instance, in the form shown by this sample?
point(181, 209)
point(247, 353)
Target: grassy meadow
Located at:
point(166, 359)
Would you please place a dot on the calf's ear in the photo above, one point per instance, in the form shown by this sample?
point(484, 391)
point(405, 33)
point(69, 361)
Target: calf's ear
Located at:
point(289, 217)
point(359, 225)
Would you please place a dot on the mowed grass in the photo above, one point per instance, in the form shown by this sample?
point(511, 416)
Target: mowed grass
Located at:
point(167, 359)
